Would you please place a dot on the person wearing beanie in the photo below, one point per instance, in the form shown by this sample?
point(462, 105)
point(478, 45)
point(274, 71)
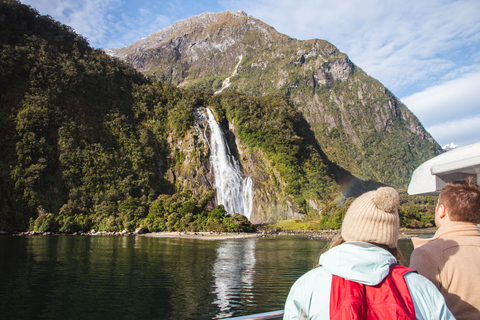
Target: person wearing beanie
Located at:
point(359, 276)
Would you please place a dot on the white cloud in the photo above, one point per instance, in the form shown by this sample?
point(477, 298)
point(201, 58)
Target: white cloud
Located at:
point(89, 18)
point(134, 27)
point(106, 23)
point(452, 100)
point(462, 132)
point(450, 111)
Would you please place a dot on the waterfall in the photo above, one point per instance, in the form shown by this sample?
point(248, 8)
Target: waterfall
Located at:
point(233, 191)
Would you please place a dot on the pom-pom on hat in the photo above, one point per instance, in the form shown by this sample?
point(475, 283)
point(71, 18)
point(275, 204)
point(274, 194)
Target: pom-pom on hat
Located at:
point(373, 217)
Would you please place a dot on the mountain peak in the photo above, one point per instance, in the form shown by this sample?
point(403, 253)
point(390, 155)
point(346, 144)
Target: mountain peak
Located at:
point(198, 29)
point(242, 13)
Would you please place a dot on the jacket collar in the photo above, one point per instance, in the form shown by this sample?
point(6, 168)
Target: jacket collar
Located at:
point(358, 261)
point(451, 228)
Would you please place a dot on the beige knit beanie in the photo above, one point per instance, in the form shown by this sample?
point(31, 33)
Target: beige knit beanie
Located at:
point(373, 217)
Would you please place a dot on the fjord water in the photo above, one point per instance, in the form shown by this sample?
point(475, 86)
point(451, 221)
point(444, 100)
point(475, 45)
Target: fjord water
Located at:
point(95, 277)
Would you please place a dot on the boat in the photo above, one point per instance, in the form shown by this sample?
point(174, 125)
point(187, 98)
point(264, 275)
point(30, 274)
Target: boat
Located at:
point(261, 316)
point(432, 176)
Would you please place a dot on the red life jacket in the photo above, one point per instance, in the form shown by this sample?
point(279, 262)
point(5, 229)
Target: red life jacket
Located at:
point(390, 299)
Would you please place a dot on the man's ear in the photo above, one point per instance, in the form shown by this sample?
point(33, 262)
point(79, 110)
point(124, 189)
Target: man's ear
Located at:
point(441, 211)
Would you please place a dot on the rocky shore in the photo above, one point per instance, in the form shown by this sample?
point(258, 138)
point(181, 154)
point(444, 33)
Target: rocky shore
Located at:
point(79, 233)
point(323, 235)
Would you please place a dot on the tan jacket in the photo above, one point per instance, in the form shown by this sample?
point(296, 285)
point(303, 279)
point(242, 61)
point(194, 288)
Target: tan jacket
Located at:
point(451, 260)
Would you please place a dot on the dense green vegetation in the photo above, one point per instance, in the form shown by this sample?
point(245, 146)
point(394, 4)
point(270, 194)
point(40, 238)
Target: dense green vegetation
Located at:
point(414, 212)
point(87, 140)
point(417, 211)
point(272, 124)
point(396, 150)
point(388, 153)
point(82, 135)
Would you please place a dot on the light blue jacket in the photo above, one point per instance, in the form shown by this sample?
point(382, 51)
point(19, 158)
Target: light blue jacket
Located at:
point(309, 297)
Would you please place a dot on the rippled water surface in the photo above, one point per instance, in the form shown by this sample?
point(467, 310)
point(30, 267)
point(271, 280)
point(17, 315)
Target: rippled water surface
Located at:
point(94, 277)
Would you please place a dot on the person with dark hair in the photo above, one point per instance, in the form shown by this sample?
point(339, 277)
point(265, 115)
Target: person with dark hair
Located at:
point(360, 277)
point(451, 259)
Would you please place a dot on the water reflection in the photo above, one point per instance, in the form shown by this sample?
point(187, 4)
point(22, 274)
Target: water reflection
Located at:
point(91, 277)
point(233, 273)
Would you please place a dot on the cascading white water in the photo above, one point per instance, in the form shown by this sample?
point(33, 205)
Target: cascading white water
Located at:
point(233, 191)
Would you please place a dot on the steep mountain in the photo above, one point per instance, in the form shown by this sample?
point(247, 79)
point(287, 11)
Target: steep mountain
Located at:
point(90, 142)
point(358, 123)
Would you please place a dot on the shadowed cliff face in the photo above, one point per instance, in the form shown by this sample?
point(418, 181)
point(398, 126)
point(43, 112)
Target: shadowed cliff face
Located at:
point(358, 123)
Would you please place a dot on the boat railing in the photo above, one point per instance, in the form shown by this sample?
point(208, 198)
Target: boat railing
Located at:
point(260, 316)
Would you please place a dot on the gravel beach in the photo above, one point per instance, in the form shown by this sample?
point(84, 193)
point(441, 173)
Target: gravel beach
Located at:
point(324, 235)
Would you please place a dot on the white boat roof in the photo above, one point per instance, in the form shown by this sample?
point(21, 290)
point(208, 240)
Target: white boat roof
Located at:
point(432, 176)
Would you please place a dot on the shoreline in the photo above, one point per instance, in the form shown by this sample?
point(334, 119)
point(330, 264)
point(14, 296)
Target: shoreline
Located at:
point(321, 235)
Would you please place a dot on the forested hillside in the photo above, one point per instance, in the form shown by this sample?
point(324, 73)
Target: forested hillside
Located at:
point(90, 143)
point(77, 151)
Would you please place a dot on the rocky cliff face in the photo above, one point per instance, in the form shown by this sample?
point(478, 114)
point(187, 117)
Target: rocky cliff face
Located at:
point(271, 202)
point(358, 123)
point(190, 167)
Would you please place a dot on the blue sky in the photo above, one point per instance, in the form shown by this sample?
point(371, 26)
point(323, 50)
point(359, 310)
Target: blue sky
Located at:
point(427, 52)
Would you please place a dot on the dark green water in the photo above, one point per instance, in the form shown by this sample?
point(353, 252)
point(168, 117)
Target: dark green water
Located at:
point(94, 277)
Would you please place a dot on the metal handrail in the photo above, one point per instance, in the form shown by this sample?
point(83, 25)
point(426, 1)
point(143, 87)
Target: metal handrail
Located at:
point(260, 316)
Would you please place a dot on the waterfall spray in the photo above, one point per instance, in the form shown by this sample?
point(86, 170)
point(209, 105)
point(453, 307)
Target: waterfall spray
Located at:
point(233, 191)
